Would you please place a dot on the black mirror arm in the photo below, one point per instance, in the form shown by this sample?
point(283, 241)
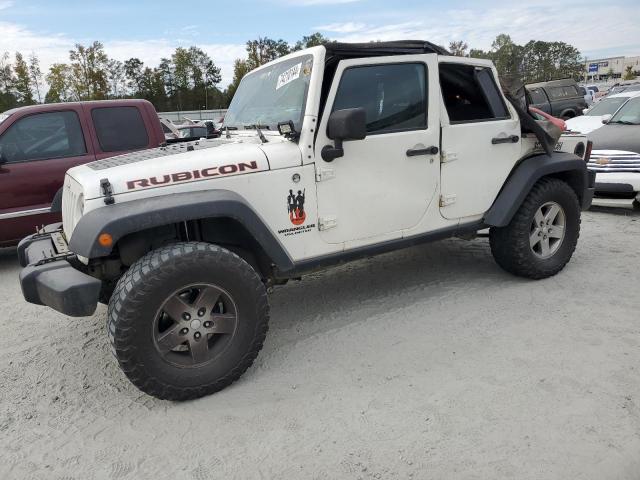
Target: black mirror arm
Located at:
point(330, 153)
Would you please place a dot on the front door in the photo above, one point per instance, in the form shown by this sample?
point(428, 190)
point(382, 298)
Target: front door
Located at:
point(37, 150)
point(480, 137)
point(384, 183)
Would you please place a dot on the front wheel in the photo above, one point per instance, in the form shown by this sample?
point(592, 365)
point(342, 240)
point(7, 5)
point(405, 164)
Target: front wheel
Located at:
point(187, 320)
point(542, 236)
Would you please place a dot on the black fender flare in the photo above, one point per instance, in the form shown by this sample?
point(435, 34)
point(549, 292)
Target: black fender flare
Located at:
point(567, 166)
point(56, 204)
point(124, 218)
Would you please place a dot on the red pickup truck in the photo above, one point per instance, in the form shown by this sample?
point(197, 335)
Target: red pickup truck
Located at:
point(39, 143)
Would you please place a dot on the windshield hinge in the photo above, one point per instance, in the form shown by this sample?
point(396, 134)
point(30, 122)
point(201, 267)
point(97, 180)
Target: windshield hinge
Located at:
point(323, 174)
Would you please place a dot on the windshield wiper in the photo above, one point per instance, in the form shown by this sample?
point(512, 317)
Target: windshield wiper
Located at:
point(257, 127)
point(623, 122)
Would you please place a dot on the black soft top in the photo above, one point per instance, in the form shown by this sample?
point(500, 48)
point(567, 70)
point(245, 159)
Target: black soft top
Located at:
point(374, 49)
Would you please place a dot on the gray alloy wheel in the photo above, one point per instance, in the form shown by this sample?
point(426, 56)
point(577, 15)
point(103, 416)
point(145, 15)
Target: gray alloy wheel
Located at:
point(195, 324)
point(547, 230)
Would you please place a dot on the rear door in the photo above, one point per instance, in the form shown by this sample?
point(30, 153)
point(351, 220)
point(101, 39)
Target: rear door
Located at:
point(38, 149)
point(384, 183)
point(480, 137)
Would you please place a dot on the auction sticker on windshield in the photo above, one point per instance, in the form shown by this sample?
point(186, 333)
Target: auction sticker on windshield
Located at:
point(289, 75)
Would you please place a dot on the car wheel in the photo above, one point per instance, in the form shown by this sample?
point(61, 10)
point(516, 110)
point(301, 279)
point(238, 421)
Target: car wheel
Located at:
point(543, 234)
point(636, 205)
point(187, 320)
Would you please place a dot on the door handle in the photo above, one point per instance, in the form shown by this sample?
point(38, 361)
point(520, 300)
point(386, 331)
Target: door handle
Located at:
point(414, 152)
point(509, 139)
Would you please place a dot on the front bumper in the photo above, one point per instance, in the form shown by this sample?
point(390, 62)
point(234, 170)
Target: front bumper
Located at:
point(618, 185)
point(49, 278)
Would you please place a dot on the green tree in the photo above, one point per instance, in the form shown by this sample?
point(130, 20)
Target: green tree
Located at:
point(22, 82)
point(629, 74)
point(36, 74)
point(240, 69)
point(89, 68)
point(59, 80)
point(117, 79)
point(610, 73)
point(308, 41)
point(7, 97)
point(458, 48)
point(133, 69)
point(264, 50)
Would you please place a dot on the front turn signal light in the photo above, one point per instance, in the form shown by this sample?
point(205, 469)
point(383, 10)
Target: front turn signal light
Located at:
point(105, 240)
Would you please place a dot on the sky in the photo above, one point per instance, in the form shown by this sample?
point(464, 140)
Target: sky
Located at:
point(150, 30)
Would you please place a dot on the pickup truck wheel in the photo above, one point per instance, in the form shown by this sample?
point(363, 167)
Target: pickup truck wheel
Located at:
point(636, 205)
point(542, 236)
point(187, 320)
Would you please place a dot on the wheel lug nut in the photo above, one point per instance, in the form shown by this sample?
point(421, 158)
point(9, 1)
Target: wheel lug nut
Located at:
point(202, 311)
point(186, 316)
point(207, 324)
point(197, 336)
point(184, 331)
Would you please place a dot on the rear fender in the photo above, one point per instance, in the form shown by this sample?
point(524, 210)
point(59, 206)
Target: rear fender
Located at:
point(565, 166)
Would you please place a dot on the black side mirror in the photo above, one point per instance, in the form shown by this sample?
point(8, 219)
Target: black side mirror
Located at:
point(343, 125)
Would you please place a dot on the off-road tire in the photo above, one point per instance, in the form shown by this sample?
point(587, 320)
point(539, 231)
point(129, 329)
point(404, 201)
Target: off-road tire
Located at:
point(510, 244)
point(636, 205)
point(141, 291)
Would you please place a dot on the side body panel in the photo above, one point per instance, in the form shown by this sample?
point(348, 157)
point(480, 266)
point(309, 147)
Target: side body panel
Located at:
point(474, 168)
point(27, 187)
point(376, 190)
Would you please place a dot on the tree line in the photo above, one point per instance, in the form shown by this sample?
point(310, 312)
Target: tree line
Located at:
point(189, 79)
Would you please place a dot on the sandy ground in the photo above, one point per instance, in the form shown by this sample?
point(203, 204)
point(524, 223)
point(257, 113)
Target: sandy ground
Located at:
point(430, 363)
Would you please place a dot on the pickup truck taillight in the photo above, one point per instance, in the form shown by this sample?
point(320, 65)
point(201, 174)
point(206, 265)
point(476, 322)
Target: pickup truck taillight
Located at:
point(587, 153)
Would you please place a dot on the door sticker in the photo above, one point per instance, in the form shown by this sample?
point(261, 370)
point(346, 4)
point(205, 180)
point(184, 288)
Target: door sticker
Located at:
point(289, 75)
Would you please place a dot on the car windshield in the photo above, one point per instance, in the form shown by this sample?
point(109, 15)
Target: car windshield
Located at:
point(629, 114)
point(607, 106)
point(3, 117)
point(272, 95)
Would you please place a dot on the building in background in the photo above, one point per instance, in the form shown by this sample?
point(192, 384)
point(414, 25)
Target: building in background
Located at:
point(610, 68)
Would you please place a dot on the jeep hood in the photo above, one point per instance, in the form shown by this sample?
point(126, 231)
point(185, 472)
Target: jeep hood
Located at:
point(185, 163)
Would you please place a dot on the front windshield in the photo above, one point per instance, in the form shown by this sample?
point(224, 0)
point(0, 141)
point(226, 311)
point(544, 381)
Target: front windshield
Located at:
point(629, 114)
point(272, 95)
point(607, 106)
point(3, 117)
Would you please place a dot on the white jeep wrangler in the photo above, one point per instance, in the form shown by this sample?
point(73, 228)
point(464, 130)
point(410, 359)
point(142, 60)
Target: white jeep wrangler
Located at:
point(328, 154)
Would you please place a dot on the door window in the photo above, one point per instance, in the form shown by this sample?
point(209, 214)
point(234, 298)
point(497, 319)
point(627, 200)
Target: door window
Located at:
point(470, 94)
point(394, 96)
point(119, 128)
point(537, 96)
point(43, 136)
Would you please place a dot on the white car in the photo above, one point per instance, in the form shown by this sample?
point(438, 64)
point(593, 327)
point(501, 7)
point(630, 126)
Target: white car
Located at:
point(332, 153)
point(599, 113)
point(616, 154)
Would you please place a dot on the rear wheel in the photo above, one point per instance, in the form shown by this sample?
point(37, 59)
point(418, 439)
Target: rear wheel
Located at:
point(187, 320)
point(636, 205)
point(542, 236)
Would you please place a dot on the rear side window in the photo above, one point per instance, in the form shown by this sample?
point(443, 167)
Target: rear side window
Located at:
point(119, 128)
point(537, 96)
point(394, 96)
point(471, 94)
point(558, 93)
point(43, 136)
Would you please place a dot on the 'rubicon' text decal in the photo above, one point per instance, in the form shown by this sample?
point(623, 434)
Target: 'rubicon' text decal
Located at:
point(191, 175)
